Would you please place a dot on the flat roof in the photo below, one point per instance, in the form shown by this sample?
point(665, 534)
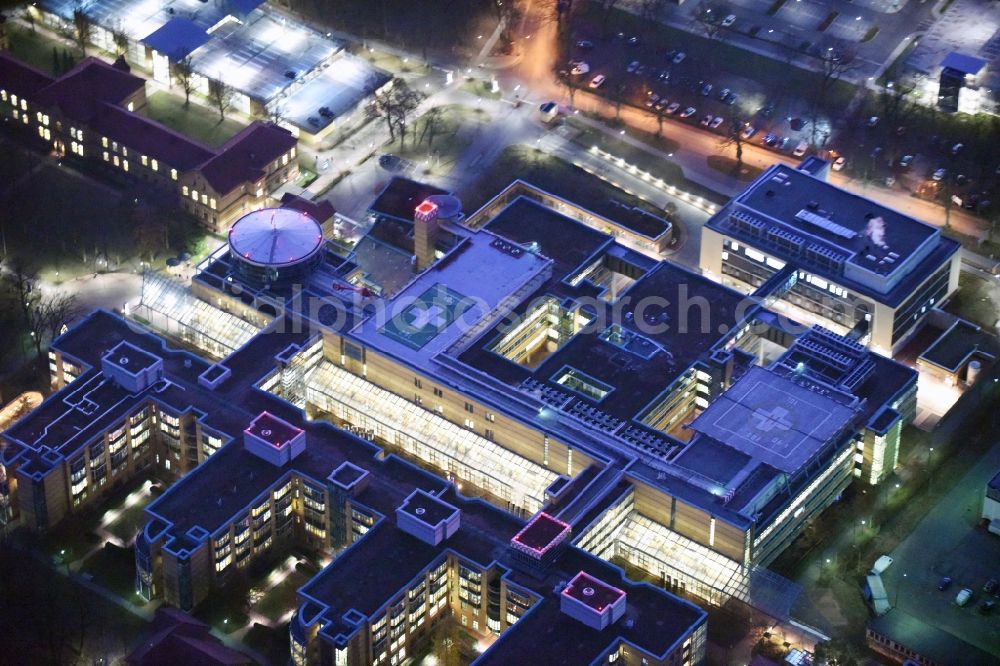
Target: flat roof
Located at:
point(783, 193)
point(401, 196)
point(966, 64)
point(273, 430)
point(130, 358)
point(958, 344)
point(774, 420)
point(443, 302)
point(542, 533)
point(177, 38)
point(567, 242)
point(823, 223)
point(592, 591)
point(427, 508)
point(927, 640)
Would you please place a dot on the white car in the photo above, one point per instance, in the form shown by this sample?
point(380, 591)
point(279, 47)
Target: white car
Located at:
point(729, 20)
point(839, 163)
point(679, 58)
point(749, 131)
point(963, 597)
point(939, 174)
point(715, 122)
point(688, 112)
point(672, 108)
point(597, 81)
point(579, 68)
point(800, 149)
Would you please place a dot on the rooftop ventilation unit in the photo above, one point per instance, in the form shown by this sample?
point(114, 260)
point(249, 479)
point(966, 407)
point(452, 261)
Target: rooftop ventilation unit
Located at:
point(824, 223)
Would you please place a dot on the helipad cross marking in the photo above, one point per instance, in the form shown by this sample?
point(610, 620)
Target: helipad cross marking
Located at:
point(423, 316)
point(774, 419)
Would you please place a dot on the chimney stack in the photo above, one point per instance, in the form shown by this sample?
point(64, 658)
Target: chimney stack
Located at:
point(425, 233)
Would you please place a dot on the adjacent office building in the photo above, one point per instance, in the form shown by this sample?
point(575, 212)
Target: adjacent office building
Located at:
point(825, 255)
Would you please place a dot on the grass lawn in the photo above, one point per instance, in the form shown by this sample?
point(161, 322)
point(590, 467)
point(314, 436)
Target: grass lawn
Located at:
point(280, 599)
point(114, 568)
point(643, 159)
point(480, 88)
point(35, 48)
point(393, 63)
point(974, 300)
point(130, 521)
point(434, 143)
point(272, 642)
point(728, 166)
point(553, 175)
point(196, 121)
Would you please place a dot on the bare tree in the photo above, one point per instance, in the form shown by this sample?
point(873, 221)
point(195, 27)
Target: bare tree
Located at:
point(432, 125)
point(507, 13)
point(734, 138)
point(608, 6)
point(184, 76)
point(121, 41)
point(835, 61)
point(221, 95)
point(83, 29)
point(618, 92)
point(709, 17)
point(395, 105)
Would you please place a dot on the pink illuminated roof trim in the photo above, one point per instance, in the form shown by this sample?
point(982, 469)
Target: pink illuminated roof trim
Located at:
point(426, 207)
point(273, 430)
point(540, 535)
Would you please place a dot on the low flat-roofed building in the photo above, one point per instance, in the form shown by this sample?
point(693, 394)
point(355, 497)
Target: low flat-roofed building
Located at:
point(959, 355)
point(991, 504)
point(845, 260)
point(900, 637)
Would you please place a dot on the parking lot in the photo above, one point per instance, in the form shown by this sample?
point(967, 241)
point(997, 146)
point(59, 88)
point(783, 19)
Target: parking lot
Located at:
point(677, 78)
point(948, 542)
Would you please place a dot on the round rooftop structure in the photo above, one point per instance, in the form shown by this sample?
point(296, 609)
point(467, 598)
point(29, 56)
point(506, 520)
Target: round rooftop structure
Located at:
point(275, 246)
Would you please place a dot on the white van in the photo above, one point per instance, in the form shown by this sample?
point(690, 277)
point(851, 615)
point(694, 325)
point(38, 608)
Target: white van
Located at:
point(800, 149)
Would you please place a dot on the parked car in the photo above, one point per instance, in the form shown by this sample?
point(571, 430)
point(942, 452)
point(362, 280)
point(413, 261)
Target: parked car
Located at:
point(767, 110)
point(749, 131)
point(800, 149)
point(706, 120)
point(729, 20)
point(939, 174)
point(873, 121)
point(839, 163)
point(688, 112)
point(986, 607)
point(706, 90)
point(632, 41)
point(598, 81)
point(944, 583)
point(783, 144)
point(664, 76)
point(716, 121)
point(579, 68)
point(632, 66)
point(990, 586)
point(957, 148)
point(723, 94)
point(963, 596)
point(585, 44)
point(672, 109)
point(770, 139)
point(731, 98)
point(906, 161)
point(679, 58)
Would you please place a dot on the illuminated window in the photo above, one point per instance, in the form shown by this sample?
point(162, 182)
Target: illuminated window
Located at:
point(116, 161)
point(155, 165)
point(124, 151)
point(184, 190)
point(125, 164)
point(106, 156)
point(131, 106)
point(104, 141)
point(212, 203)
point(260, 191)
point(3, 95)
point(144, 160)
point(194, 195)
point(173, 174)
point(24, 105)
point(204, 199)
